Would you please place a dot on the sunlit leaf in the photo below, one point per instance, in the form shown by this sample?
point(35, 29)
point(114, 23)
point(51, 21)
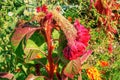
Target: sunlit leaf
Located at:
point(24, 69)
point(19, 34)
point(6, 75)
point(30, 77)
point(85, 56)
point(72, 68)
point(33, 77)
point(20, 9)
point(40, 78)
point(55, 34)
point(32, 50)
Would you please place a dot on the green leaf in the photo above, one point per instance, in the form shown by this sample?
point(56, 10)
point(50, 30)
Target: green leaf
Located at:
point(20, 76)
point(61, 46)
point(32, 50)
point(30, 44)
point(55, 34)
point(24, 69)
point(19, 51)
point(19, 10)
point(40, 78)
point(38, 38)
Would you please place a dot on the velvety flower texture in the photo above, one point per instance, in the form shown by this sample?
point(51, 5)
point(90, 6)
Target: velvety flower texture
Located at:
point(80, 43)
point(93, 73)
point(43, 8)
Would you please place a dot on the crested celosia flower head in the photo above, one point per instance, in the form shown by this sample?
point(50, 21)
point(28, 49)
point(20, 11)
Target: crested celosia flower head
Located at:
point(78, 48)
point(74, 51)
point(82, 33)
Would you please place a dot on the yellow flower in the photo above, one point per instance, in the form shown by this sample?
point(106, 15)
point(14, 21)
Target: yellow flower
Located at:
point(93, 73)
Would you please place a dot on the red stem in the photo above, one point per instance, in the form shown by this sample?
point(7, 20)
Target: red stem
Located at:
point(49, 44)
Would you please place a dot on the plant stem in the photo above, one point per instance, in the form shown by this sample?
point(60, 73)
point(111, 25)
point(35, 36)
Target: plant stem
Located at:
point(49, 45)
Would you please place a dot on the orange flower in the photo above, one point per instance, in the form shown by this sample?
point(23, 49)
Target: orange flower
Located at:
point(104, 63)
point(48, 67)
point(69, 18)
point(93, 73)
point(37, 56)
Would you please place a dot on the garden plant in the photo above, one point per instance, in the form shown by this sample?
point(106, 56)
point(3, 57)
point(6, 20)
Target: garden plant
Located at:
point(59, 39)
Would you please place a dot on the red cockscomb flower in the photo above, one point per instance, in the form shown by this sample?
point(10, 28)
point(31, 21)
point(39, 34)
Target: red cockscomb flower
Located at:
point(82, 33)
point(80, 43)
point(74, 51)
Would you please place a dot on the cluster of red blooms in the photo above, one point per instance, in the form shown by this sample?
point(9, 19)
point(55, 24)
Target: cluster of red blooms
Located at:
point(106, 8)
point(44, 9)
point(110, 18)
point(80, 43)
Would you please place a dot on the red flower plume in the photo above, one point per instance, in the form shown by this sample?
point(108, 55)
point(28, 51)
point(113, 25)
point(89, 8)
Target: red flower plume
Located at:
point(80, 43)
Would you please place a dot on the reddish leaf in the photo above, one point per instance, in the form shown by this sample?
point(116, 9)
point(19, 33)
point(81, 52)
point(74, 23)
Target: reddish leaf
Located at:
point(74, 66)
point(85, 56)
point(20, 33)
point(6, 75)
point(64, 77)
point(33, 77)
point(29, 34)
